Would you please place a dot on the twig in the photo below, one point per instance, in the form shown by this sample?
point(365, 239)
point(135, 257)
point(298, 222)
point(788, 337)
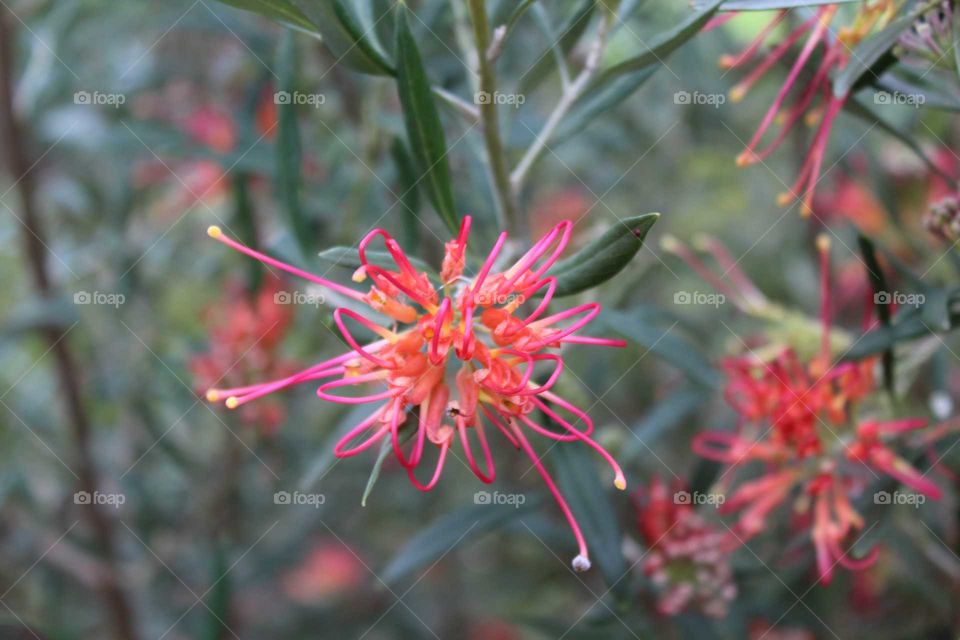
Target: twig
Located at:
point(571, 93)
point(489, 120)
point(34, 239)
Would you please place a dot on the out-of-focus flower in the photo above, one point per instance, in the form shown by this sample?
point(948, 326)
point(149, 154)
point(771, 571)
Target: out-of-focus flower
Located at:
point(688, 559)
point(943, 219)
point(930, 41)
point(763, 630)
point(557, 206)
point(330, 570)
point(245, 334)
point(801, 419)
point(474, 331)
point(815, 32)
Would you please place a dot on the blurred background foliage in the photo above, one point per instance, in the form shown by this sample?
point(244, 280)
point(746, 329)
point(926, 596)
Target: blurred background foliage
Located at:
point(202, 548)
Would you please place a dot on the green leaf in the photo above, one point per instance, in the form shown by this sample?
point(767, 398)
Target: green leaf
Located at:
point(283, 11)
point(939, 313)
point(767, 5)
point(603, 258)
point(878, 283)
point(409, 194)
point(855, 107)
point(385, 448)
point(870, 53)
point(600, 100)
point(588, 499)
point(289, 155)
point(348, 258)
point(424, 131)
point(349, 34)
point(434, 542)
point(562, 40)
point(663, 45)
point(664, 343)
point(41, 314)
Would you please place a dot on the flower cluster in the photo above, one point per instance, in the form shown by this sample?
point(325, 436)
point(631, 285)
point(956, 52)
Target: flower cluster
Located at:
point(688, 559)
point(474, 353)
point(930, 42)
point(802, 420)
point(245, 333)
point(809, 78)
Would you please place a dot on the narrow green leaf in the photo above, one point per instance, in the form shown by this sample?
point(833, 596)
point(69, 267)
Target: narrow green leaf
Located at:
point(283, 11)
point(409, 194)
point(600, 100)
point(878, 283)
point(385, 448)
point(347, 258)
point(855, 107)
point(666, 344)
point(451, 530)
point(288, 145)
point(868, 55)
point(603, 258)
point(349, 34)
point(562, 41)
point(586, 494)
point(424, 131)
point(218, 602)
point(663, 45)
point(767, 5)
point(243, 213)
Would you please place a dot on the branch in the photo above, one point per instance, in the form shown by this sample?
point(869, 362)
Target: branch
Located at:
point(489, 120)
point(34, 240)
point(571, 93)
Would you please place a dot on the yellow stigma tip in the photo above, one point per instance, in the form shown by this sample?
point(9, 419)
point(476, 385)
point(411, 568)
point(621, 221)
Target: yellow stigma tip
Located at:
point(232, 402)
point(737, 94)
point(783, 199)
point(620, 483)
point(214, 231)
point(212, 395)
point(823, 242)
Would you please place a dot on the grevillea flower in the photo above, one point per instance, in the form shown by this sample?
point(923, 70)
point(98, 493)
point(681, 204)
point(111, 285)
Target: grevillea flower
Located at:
point(929, 42)
point(809, 81)
point(800, 419)
point(456, 360)
point(245, 333)
point(688, 558)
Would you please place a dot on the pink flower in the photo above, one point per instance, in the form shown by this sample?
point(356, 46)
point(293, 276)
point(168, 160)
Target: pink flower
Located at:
point(688, 559)
point(799, 421)
point(456, 361)
point(810, 80)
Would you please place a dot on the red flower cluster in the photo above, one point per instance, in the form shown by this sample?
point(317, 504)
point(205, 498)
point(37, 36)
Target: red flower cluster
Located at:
point(688, 559)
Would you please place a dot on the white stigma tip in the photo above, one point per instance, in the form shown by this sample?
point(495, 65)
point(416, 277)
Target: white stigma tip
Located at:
point(581, 563)
point(214, 231)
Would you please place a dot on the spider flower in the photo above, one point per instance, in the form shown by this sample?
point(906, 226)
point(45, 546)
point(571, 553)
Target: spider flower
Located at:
point(808, 79)
point(688, 558)
point(802, 420)
point(246, 331)
point(456, 360)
